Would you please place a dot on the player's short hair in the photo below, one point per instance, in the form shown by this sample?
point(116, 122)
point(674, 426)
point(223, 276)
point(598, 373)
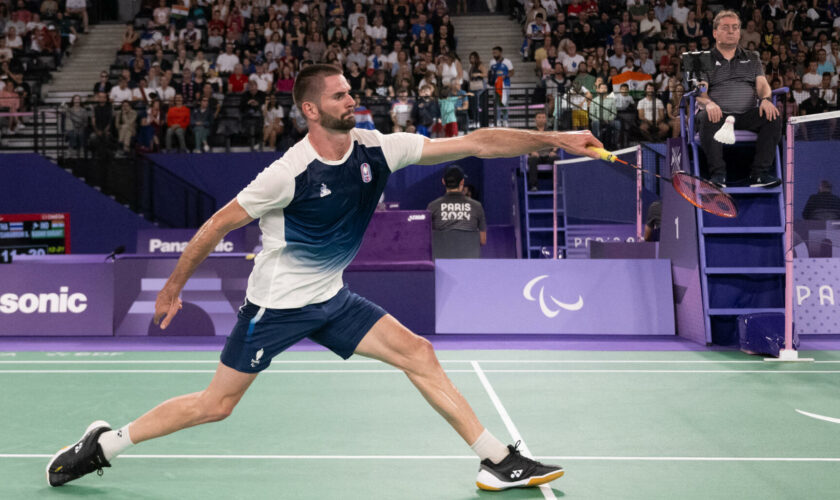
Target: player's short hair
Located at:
point(309, 83)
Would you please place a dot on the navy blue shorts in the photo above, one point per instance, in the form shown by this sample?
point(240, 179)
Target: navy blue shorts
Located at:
point(338, 324)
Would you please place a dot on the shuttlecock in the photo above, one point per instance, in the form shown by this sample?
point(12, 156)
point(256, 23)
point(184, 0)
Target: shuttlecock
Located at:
point(726, 134)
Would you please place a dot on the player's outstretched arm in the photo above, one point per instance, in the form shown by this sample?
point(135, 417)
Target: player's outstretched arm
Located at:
point(228, 218)
point(505, 143)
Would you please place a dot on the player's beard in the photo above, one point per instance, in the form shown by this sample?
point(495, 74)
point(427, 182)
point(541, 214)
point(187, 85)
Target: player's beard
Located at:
point(330, 122)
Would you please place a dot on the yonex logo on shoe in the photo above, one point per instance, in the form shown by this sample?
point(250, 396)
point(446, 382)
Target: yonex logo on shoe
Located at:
point(78, 447)
point(515, 474)
point(256, 360)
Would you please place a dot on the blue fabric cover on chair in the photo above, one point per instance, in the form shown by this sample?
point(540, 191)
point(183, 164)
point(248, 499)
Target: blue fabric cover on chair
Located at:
point(763, 333)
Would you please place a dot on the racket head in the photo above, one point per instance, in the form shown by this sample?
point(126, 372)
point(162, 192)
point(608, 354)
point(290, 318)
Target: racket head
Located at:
point(704, 195)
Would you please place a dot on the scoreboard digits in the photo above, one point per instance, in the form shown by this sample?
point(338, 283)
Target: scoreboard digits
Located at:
point(34, 234)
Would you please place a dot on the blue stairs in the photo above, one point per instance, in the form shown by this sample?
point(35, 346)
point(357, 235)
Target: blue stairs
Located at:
point(539, 212)
point(742, 259)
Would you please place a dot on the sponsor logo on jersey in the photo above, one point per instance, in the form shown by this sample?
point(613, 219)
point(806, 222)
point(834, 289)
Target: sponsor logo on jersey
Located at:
point(367, 174)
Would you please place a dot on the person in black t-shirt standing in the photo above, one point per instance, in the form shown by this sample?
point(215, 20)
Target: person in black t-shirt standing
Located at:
point(458, 223)
point(101, 121)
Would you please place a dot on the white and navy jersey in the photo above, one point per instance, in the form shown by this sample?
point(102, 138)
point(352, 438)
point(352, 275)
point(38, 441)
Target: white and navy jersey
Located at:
point(313, 214)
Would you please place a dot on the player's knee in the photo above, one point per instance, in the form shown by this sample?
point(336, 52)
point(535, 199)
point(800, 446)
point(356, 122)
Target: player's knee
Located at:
point(218, 412)
point(214, 410)
point(423, 352)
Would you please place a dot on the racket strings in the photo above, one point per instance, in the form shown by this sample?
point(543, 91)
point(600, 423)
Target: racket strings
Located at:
point(699, 192)
point(704, 194)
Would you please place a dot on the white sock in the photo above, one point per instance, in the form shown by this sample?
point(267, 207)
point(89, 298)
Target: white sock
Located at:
point(487, 446)
point(115, 442)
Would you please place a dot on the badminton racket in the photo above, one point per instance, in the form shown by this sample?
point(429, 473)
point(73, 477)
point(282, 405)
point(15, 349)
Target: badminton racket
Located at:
point(699, 192)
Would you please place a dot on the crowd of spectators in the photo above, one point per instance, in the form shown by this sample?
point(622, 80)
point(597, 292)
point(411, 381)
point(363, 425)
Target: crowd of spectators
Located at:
point(577, 45)
point(239, 59)
point(33, 35)
point(242, 57)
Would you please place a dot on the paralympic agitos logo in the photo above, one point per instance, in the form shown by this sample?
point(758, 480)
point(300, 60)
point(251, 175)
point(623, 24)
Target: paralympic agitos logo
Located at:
point(545, 307)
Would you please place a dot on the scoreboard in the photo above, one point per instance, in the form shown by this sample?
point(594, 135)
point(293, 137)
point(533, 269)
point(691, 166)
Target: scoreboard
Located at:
point(34, 234)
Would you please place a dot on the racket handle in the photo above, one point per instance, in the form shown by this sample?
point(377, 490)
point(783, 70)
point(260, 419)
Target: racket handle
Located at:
point(605, 155)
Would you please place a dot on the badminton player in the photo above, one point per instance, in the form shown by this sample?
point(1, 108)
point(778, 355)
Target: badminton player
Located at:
point(314, 204)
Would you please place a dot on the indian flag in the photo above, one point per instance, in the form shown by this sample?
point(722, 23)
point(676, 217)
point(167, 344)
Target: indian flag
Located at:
point(636, 80)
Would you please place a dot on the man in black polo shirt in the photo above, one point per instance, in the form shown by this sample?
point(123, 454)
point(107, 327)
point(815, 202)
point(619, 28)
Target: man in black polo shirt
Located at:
point(822, 206)
point(458, 223)
point(735, 83)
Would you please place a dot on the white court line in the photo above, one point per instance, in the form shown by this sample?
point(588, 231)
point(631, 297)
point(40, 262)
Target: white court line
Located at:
point(537, 370)
point(446, 457)
point(700, 459)
point(212, 371)
point(819, 417)
point(546, 490)
point(368, 361)
point(769, 372)
point(277, 457)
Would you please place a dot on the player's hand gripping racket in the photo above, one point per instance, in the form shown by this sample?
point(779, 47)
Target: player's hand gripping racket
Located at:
point(699, 192)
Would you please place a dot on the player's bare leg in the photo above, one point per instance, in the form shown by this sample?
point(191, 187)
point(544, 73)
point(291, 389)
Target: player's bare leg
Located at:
point(501, 467)
point(214, 403)
point(100, 444)
point(391, 342)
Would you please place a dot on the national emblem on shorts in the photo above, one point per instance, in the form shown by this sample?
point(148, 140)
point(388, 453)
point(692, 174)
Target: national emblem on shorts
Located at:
point(367, 174)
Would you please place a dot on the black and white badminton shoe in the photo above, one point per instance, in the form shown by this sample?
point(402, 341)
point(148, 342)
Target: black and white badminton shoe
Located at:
point(84, 457)
point(515, 471)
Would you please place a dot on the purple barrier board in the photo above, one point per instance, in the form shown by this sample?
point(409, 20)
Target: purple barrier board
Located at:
point(214, 293)
point(173, 241)
point(211, 297)
point(408, 295)
point(616, 250)
point(397, 235)
point(56, 297)
point(578, 237)
point(816, 283)
point(602, 297)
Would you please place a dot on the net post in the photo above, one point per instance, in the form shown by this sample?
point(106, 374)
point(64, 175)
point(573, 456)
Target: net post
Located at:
point(789, 353)
point(554, 204)
point(789, 238)
point(639, 229)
